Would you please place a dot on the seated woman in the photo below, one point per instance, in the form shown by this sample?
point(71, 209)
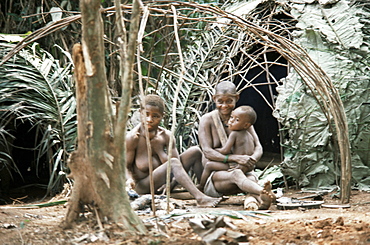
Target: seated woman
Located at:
point(138, 161)
point(213, 132)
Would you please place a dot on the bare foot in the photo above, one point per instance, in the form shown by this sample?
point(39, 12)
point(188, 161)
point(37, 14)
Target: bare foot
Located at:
point(267, 196)
point(209, 201)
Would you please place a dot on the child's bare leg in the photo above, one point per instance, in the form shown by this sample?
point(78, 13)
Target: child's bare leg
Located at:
point(182, 177)
point(208, 169)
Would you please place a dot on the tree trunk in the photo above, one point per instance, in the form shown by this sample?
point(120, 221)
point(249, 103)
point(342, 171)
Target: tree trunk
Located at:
point(96, 166)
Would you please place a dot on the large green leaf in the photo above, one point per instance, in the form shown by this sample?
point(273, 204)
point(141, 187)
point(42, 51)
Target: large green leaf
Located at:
point(337, 24)
point(335, 37)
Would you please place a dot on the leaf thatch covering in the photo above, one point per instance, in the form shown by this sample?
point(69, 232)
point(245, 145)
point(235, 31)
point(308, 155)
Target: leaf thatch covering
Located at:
point(336, 38)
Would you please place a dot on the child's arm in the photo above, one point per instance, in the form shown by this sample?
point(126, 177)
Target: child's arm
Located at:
point(227, 148)
point(258, 151)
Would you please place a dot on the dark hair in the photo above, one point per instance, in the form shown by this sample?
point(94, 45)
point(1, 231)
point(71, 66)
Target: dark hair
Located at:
point(154, 100)
point(250, 112)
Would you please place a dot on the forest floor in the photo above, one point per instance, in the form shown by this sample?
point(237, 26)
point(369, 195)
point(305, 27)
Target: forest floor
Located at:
point(332, 223)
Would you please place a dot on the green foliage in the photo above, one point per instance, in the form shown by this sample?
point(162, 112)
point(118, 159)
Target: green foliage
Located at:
point(335, 37)
point(25, 16)
point(205, 55)
point(34, 89)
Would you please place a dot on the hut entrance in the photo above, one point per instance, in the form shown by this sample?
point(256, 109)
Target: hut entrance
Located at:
point(260, 92)
point(23, 179)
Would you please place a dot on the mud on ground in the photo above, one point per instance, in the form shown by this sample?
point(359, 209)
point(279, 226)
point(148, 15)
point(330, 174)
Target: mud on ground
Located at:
point(330, 225)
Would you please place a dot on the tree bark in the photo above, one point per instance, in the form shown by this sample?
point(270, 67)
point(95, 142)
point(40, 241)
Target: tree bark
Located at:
point(97, 167)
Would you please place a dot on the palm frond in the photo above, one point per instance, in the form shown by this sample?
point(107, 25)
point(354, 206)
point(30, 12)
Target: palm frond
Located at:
point(34, 88)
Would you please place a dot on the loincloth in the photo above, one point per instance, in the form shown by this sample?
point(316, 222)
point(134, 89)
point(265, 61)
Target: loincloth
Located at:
point(209, 188)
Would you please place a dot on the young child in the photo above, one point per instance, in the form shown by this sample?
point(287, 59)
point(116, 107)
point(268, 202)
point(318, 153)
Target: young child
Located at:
point(240, 141)
point(138, 161)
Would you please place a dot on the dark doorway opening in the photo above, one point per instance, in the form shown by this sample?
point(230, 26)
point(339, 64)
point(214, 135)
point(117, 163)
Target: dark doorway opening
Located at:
point(25, 178)
point(261, 96)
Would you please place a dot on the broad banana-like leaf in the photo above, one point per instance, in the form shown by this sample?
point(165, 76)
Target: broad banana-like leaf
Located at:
point(335, 38)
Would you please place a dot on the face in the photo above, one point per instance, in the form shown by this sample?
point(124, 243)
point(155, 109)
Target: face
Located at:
point(153, 117)
point(225, 103)
point(238, 121)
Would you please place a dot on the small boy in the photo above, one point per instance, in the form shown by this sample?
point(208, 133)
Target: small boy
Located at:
point(138, 161)
point(239, 142)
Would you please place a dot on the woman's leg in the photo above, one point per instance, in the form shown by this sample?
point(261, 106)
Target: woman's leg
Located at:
point(208, 169)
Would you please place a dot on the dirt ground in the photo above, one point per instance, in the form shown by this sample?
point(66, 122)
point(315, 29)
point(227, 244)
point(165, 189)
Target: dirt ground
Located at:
point(331, 224)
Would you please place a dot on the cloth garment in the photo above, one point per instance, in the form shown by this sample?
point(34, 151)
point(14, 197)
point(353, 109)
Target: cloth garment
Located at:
point(209, 188)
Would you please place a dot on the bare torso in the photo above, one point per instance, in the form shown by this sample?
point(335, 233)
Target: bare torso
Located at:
point(210, 142)
point(243, 142)
point(208, 122)
point(139, 166)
